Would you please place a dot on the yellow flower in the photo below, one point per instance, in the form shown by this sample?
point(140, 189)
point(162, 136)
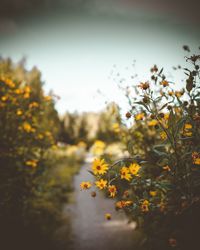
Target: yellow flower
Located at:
point(9, 82)
point(187, 129)
point(99, 167)
point(197, 161)
point(18, 91)
point(116, 127)
point(19, 112)
point(145, 206)
point(27, 89)
point(98, 147)
point(33, 105)
point(166, 116)
point(27, 127)
point(82, 144)
point(108, 216)
point(85, 185)
point(139, 116)
point(48, 133)
point(33, 130)
point(54, 147)
point(119, 204)
point(196, 158)
point(101, 184)
point(26, 95)
point(112, 190)
point(32, 163)
point(134, 169)
point(123, 204)
point(188, 126)
point(100, 144)
point(40, 136)
point(163, 135)
point(152, 123)
point(153, 193)
point(128, 203)
point(4, 98)
point(47, 98)
point(125, 173)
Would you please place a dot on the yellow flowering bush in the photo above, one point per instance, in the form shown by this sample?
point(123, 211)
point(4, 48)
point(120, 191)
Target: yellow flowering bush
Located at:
point(158, 184)
point(29, 126)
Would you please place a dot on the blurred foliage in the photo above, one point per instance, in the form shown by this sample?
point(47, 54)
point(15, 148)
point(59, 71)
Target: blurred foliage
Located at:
point(91, 126)
point(35, 171)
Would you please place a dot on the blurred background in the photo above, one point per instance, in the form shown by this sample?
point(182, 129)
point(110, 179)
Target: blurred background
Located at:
point(64, 66)
point(83, 46)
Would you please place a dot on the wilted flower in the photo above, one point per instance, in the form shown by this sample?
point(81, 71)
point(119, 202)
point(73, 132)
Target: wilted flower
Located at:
point(144, 85)
point(164, 83)
point(108, 216)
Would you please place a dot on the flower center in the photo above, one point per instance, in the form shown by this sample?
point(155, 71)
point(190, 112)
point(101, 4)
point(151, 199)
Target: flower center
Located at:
point(98, 167)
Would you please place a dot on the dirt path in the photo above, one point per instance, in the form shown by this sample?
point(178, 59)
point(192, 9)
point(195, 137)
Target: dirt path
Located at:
point(89, 228)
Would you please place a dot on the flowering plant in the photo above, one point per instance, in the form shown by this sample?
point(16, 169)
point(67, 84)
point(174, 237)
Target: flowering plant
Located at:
point(160, 187)
point(24, 138)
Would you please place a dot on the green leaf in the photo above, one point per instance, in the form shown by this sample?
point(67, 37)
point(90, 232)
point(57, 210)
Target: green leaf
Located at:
point(179, 125)
point(91, 172)
point(143, 104)
point(130, 147)
point(172, 120)
point(160, 72)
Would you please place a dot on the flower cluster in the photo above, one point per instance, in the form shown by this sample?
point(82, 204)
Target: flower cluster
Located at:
point(158, 184)
point(23, 121)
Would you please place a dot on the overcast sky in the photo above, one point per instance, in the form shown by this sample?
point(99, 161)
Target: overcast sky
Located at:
point(83, 46)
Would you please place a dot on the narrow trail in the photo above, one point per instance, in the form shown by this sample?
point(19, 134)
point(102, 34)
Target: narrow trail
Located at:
point(89, 228)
